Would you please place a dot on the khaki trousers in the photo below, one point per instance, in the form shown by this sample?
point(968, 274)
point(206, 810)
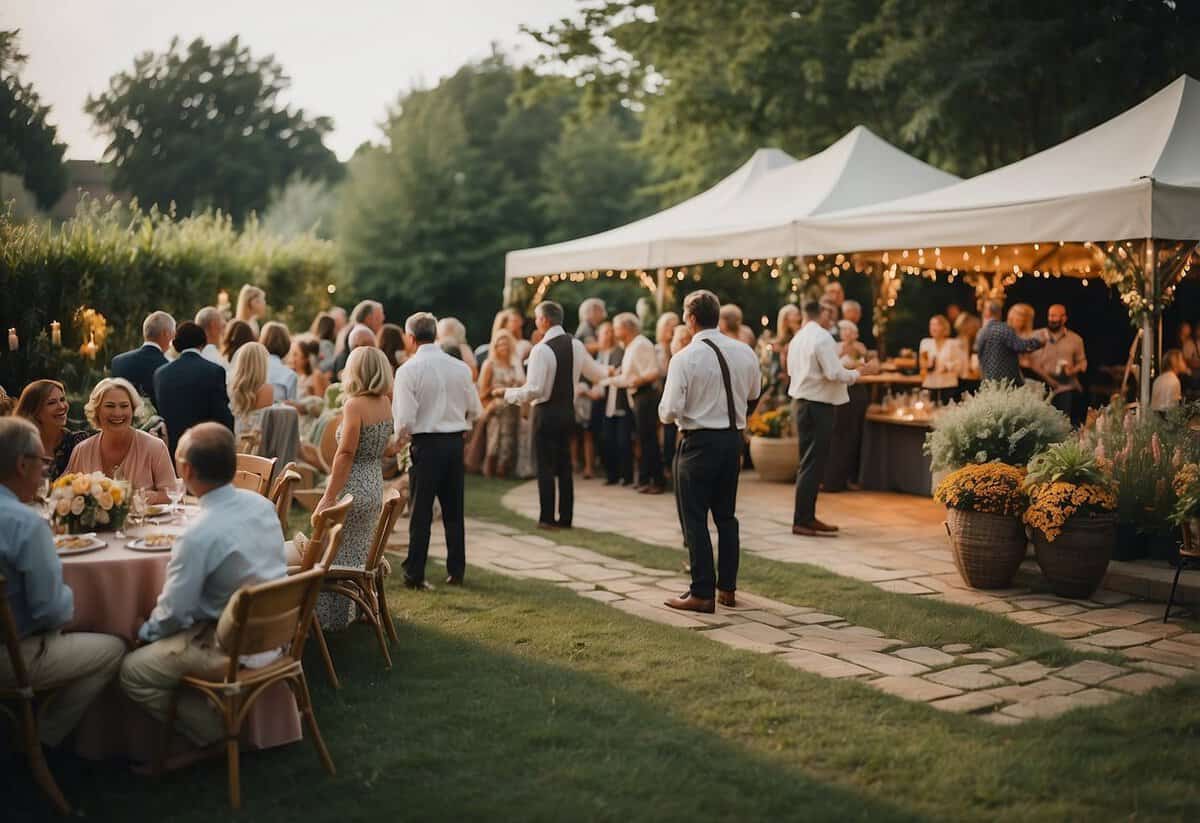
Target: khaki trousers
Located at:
point(151, 674)
point(78, 664)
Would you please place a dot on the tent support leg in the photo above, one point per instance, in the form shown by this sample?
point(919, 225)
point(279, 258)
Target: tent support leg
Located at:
point(660, 295)
point(1150, 320)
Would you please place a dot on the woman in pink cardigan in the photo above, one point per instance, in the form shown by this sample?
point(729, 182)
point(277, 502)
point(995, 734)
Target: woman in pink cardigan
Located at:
point(140, 458)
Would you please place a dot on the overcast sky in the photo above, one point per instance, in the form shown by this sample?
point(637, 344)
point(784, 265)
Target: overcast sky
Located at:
point(348, 59)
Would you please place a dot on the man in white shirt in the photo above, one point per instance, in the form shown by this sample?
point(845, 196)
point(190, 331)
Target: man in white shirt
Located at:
point(555, 366)
point(212, 322)
point(235, 541)
point(817, 385)
point(710, 384)
point(434, 402)
point(639, 372)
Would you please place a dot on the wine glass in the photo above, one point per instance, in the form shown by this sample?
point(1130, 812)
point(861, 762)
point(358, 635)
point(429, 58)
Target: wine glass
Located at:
point(44, 497)
point(175, 493)
point(137, 507)
point(123, 485)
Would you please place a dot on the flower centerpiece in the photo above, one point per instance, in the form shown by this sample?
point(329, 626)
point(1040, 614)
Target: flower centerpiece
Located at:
point(983, 503)
point(87, 502)
point(1072, 516)
point(773, 446)
point(1186, 514)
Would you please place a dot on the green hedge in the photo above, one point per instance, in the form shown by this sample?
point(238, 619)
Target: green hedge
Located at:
point(125, 263)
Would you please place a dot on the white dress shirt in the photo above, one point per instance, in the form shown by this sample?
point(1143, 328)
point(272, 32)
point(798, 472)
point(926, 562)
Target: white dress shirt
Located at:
point(434, 394)
point(234, 542)
point(694, 394)
point(639, 362)
point(282, 379)
point(816, 371)
point(1167, 392)
point(949, 362)
point(211, 353)
point(539, 374)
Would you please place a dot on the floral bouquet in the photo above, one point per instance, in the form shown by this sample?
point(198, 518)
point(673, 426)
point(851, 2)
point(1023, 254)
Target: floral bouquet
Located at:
point(775, 423)
point(991, 488)
point(83, 502)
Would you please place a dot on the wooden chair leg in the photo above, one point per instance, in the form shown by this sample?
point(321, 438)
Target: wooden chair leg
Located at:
point(324, 647)
point(164, 747)
point(233, 752)
point(385, 613)
point(377, 624)
point(37, 761)
point(300, 688)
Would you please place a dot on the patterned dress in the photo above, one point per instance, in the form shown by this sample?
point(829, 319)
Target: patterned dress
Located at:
point(366, 484)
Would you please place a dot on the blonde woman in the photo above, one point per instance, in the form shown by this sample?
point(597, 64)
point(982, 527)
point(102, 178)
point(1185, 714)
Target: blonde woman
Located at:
point(249, 391)
point(251, 305)
point(119, 450)
point(363, 438)
point(452, 333)
point(514, 322)
point(500, 371)
point(943, 360)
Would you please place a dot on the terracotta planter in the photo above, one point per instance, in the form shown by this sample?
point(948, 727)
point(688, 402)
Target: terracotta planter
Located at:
point(1076, 562)
point(988, 548)
point(775, 458)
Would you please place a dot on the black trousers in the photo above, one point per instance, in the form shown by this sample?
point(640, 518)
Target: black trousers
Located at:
point(814, 428)
point(650, 465)
point(707, 464)
point(618, 448)
point(670, 437)
point(1071, 403)
point(436, 473)
point(552, 430)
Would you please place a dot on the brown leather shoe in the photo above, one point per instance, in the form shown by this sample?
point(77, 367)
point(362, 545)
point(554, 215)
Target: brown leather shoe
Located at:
point(550, 527)
point(821, 527)
point(453, 581)
point(688, 602)
point(652, 490)
point(808, 530)
point(726, 599)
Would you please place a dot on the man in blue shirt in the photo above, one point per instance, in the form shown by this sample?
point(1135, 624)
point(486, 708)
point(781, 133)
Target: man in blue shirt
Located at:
point(1000, 347)
point(39, 600)
point(235, 541)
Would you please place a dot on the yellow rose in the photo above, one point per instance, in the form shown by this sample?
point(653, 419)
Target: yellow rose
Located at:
point(118, 494)
point(105, 500)
point(81, 483)
point(106, 484)
point(77, 505)
point(62, 506)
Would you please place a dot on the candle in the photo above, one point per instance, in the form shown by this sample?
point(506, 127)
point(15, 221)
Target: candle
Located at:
point(13, 342)
point(90, 347)
point(56, 332)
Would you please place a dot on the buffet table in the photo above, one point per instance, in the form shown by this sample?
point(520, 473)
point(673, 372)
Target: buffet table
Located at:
point(893, 456)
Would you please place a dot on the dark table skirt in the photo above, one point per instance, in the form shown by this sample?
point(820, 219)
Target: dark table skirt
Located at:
point(844, 452)
point(893, 458)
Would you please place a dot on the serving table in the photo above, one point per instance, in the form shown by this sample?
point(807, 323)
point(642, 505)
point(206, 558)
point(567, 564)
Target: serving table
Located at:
point(893, 453)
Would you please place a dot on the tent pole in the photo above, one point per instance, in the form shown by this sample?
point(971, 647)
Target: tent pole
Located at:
point(1149, 322)
point(660, 296)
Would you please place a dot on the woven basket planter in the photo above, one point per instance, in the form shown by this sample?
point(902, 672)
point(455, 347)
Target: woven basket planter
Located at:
point(776, 459)
point(988, 548)
point(1076, 562)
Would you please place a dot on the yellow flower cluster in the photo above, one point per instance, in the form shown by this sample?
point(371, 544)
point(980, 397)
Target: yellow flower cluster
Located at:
point(1051, 505)
point(993, 488)
point(1187, 479)
point(769, 424)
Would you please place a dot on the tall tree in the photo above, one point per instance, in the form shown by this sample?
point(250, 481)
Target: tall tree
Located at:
point(203, 126)
point(29, 144)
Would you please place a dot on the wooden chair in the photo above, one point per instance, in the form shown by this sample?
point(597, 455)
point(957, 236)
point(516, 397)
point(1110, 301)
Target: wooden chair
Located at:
point(365, 586)
point(257, 619)
point(247, 441)
point(254, 473)
point(322, 549)
point(20, 703)
point(281, 494)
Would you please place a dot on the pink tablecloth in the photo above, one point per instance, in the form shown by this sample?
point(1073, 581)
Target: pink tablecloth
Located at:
point(115, 589)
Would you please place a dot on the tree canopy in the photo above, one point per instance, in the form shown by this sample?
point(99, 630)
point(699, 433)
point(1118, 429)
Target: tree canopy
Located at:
point(29, 146)
point(202, 126)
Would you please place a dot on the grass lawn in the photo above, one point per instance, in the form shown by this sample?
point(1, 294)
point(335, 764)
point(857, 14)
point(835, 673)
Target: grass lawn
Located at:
point(519, 700)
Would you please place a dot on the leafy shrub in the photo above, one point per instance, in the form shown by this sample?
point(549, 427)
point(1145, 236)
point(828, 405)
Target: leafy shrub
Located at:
point(999, 423)
point(1067, 462)
point(993, 488)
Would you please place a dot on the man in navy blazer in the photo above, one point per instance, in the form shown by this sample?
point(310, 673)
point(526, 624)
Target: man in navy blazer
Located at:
point(191, 389)
point(138, 366)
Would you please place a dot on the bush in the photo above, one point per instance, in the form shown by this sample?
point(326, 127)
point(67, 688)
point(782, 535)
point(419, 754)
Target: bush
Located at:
point(1001, 422)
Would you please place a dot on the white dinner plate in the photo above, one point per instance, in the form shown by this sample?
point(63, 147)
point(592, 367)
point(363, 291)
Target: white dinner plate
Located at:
point(140, 544)
point(90, 543)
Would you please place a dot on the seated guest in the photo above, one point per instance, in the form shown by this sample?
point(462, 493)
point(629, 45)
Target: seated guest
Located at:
point(358, 336)
point(390, 341)
point(44, 404)
point(235, 541)
point(237, 334)
point(452, 333)
point(616, 433)
point(78, 664)
point(248, 389)
point(851, 351)
point(191, 388)
point(500, 371)
point(278, 343)
point(1167, 391)
point(251, 306)
point(138, 366)
point(1059, 363)
point(943, 360)
point(324, 329)
point(119, 450)
point(852, 311)
point(304, 360)
point(731, 325)
point(212, 323)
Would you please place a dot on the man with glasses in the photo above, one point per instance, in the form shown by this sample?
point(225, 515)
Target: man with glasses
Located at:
point(78, 664)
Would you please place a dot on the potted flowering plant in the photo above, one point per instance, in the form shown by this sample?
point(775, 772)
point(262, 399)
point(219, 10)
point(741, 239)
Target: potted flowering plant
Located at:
point(86, 502)
point(1186, 514)
point(983, 504)
point(773, 447)
point(1071, 517)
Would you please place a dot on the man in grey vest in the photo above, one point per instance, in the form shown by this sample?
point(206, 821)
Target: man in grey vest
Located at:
point(554, 369)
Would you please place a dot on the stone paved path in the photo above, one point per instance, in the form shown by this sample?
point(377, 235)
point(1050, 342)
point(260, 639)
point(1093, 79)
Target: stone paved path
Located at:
point(954, 678)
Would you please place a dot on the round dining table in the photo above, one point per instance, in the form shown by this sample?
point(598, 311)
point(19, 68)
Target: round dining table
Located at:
point(115, 589)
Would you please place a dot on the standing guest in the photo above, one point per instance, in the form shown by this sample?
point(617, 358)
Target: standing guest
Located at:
point(555, 366)
point(1020, 319)
point(616, 429)
point(953, 312)
point(324, 329)
point(966, 330)
point(999, 345)
point(190, 389)
point(1060, 362)
point(212, 323)
point(818, 384)
point(119, 450)
point(138, 366)
point(44, 404)
point(732, 325)
point(852, 311)
point(1167, 391)
point(359, 336)
point(1188, 346)
point(235, 541)
point(390, 341)
point(237, 334)
point(787, 323)
point(638, 375)
point(500, 371)
point(77, 664)
point(339, 319)
point(709, 385)
point(836, 295)
point(435, 403)
point(251, 306)
point(851, 351)
point(681, 339)
point(943, 360)
point(248, 390)
point(278, 343)
point(452, 333)
point(592, 312)
point(664, 330)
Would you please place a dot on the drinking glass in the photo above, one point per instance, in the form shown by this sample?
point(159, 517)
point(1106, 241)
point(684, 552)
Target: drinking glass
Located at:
point(44, 497)
point(175, 494)
point(137, 507)
point(123, 485)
